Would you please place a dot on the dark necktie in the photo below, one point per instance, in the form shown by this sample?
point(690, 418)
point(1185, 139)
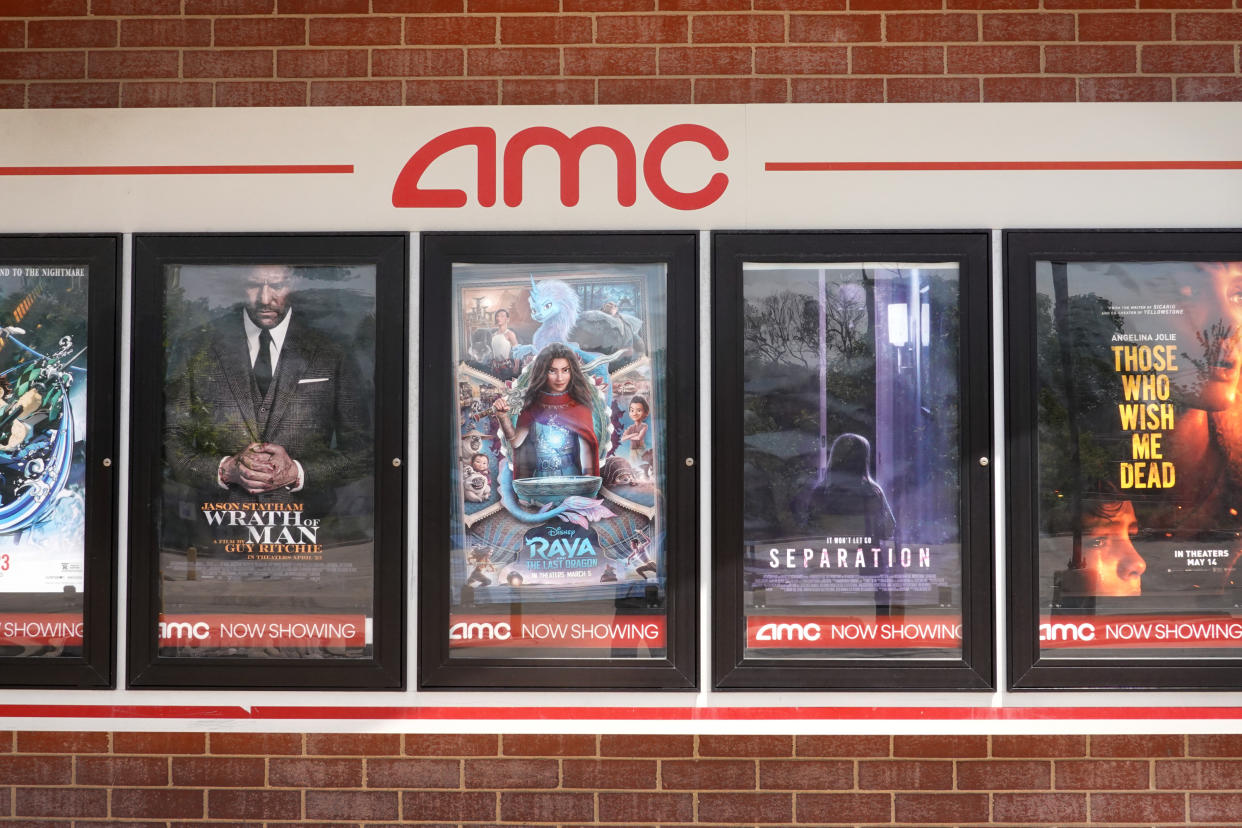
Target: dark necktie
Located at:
point(263, 362)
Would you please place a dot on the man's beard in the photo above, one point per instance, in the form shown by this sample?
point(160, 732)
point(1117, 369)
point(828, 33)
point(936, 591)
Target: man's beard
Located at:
point(255, 314)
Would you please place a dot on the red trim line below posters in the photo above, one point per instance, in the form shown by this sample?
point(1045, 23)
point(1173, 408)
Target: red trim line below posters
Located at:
point(577, 713)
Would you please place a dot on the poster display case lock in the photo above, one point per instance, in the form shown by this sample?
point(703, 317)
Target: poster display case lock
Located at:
point(107, 462)
point(396, 462)
point(983, 461)
point(689, 462)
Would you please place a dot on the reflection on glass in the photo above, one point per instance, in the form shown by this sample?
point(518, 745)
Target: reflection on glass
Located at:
point(851, 458)
point(1140, 461)
point(43, 386)
point(267, 504)
point(559, 541)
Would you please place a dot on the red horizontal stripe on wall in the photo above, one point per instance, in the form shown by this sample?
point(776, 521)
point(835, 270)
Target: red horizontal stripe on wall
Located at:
point(959, 166)
point(190, 169)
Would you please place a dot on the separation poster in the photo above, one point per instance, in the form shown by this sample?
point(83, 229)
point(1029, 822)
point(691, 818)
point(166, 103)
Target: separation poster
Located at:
point(559, 539)
point(851, 490)
point(1140, 456)
point(43, 386)
point(267, 509)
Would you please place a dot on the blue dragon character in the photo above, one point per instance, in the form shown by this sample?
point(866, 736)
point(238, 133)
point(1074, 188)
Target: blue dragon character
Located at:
point(35, 466)
point(555, 306)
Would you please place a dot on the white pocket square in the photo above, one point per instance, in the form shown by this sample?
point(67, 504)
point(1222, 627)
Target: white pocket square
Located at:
point(309, 381)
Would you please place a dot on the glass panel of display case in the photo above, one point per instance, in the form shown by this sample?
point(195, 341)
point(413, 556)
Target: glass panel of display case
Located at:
point(844, 498)
point(562, 439)
point(263, 541)
point(58, 375)
point(1128, 378)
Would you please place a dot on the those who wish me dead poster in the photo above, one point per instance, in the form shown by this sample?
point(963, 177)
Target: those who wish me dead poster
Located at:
point(1140, 456)
point(558, 429)
point(851, 460)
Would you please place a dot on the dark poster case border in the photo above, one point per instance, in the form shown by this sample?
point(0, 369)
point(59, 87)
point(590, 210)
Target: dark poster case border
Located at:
point(731, 669)
point(102, 254)
point(679, 251)
point(389, 252)
point(1027, 669)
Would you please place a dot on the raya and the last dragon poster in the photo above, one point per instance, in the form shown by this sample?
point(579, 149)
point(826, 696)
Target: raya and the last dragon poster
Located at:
point(559, 427)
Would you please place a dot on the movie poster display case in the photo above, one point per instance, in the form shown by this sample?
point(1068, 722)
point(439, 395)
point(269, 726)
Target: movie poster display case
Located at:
point(58, 379)
point(267, 512)
point(557, 443)
point(1124, 423)
point(851, 487)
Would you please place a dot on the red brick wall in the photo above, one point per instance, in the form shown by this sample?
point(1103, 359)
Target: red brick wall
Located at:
point(107, 53)
point(169, 779)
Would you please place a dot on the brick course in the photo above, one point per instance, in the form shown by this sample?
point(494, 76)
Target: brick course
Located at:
point(108, 53)
point(184, 780)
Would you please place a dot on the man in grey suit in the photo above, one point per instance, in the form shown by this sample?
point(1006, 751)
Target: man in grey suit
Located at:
point(267, 408)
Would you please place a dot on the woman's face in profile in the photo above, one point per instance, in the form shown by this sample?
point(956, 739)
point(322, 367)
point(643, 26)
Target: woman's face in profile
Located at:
point(1109, 555)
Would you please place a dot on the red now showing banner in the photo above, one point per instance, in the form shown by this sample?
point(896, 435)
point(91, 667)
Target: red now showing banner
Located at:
point(833, 632)
point(570, 631)
point(40, 629)
point(263, 630)
point(1182, 631)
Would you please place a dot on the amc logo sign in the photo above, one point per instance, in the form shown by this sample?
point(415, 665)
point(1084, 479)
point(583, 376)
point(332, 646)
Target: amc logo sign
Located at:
point(406, 192)
point(475, 631)
point(183, 629)
point(1067, 632)
point(788, 632)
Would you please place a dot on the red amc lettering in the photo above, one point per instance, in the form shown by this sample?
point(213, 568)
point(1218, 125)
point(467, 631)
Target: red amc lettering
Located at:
point(407, 193)
point(570, 150)
point(653, 166)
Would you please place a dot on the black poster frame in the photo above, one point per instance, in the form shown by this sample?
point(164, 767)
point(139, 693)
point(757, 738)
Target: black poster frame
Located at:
point(731, 668)
point(102, 254)
point(389, 253)
point(679, 252)
point(1027, 668)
